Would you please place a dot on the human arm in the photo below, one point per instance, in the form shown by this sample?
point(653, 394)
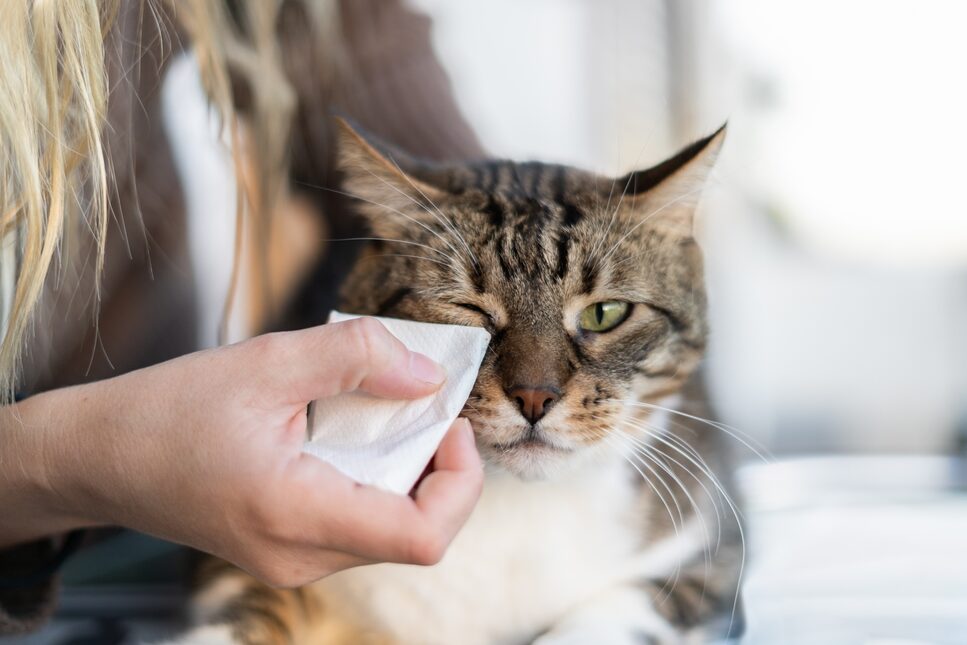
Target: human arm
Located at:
point(205, 450)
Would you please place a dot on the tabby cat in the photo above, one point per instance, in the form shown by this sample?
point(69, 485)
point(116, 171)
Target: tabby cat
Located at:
point(604, 516)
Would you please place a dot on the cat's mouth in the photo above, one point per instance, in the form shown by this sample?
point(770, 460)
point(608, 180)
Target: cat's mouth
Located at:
point(533, 442)
point(530, 442)
point(533, 455)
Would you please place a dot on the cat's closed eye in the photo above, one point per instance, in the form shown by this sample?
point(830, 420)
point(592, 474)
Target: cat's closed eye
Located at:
point(603, 316)
point(488, 318)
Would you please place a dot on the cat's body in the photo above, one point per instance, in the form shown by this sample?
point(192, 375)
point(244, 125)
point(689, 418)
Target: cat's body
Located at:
point(602, 519)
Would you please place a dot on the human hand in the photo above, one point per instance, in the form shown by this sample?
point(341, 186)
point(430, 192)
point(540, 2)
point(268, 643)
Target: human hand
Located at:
point(205, 450)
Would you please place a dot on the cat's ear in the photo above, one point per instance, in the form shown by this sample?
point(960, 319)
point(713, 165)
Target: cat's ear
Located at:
point(669, 192)
point(385, 180)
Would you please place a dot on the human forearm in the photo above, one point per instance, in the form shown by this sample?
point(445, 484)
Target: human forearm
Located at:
point(35, 437)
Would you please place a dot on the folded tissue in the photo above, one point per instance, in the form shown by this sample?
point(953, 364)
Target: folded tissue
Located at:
point(388, 443)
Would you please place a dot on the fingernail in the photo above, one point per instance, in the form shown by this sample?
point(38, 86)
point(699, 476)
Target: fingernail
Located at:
point(468, 430)
point(471, 439)
point(425, 369)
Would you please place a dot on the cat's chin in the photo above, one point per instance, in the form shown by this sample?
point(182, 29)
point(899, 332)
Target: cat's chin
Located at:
point(530, 460)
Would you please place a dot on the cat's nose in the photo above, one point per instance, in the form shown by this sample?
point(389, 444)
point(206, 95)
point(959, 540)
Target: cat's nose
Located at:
point(534, 402)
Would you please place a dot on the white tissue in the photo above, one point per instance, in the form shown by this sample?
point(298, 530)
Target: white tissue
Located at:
point(388, 443)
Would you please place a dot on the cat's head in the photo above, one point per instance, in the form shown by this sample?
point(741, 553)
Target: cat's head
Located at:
point(591, 287)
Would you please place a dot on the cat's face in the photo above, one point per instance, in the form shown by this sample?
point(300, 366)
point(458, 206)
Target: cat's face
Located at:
point(591, 288)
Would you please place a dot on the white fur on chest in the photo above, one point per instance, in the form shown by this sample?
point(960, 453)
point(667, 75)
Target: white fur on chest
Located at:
point(530, 552)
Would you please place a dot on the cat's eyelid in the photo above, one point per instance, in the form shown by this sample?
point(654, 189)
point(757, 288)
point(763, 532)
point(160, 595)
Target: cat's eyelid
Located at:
point(675, 321)
point(477, 309)
point(471, 306)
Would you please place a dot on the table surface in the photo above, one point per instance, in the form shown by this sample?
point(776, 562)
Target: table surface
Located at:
point(869, 550)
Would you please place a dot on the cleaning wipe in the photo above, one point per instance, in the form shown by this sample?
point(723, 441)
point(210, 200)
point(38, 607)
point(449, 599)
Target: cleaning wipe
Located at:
point(387, 443)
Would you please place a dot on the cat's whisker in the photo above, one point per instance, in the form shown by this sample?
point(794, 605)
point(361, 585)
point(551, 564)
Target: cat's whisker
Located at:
point(613, 437)
point(441, 218)
point(390, 209)
point(614, 182)
point(733, 507)
point(714, 500)
point(658, 451)
point(618, 448)
point(446, 221)
point(679, 445)
point(644, 220)
point(671, 436)
point(657, 456)
point(638, 454)
point(665, 436)
point(607, 208)
point(630, 262)
point(669, 587)
point(729, 430)
point(690, 454)
point(390, 240)
point(414, 257)
point(614, 214)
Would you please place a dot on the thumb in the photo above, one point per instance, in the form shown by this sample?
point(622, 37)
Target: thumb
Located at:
point(359, 354)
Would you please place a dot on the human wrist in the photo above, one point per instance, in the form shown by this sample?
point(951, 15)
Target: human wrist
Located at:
point(37, 436)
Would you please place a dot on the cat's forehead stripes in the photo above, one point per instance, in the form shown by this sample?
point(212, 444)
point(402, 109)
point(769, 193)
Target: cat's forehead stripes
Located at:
point(530, 236)
point(532, 209)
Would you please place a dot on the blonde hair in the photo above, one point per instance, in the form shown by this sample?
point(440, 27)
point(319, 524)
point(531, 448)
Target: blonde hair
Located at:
point(53, 107)
point(53, 98)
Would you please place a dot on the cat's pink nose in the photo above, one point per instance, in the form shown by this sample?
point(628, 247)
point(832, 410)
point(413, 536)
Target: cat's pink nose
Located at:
point(533, 402)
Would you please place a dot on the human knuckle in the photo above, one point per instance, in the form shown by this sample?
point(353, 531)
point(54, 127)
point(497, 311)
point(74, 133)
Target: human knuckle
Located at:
point(368, 339)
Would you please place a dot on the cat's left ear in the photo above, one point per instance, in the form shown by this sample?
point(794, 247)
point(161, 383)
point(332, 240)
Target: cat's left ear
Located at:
point(669, 192)
point(380, 176)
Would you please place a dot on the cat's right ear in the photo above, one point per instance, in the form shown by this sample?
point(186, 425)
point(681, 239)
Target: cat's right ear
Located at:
point(668, 194)
point(383, 180)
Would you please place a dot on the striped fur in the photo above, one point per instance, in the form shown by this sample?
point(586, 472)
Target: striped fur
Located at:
point(607, 520)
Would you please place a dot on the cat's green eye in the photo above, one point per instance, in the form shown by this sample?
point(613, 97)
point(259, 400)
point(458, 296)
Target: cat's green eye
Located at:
point(603, 316)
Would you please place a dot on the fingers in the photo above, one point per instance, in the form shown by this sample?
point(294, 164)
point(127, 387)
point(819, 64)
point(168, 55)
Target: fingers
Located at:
point(359, 354)
point(448, 494)
point(383, 526)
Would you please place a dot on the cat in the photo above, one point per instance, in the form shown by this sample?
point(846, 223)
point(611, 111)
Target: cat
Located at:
point(605, 515)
